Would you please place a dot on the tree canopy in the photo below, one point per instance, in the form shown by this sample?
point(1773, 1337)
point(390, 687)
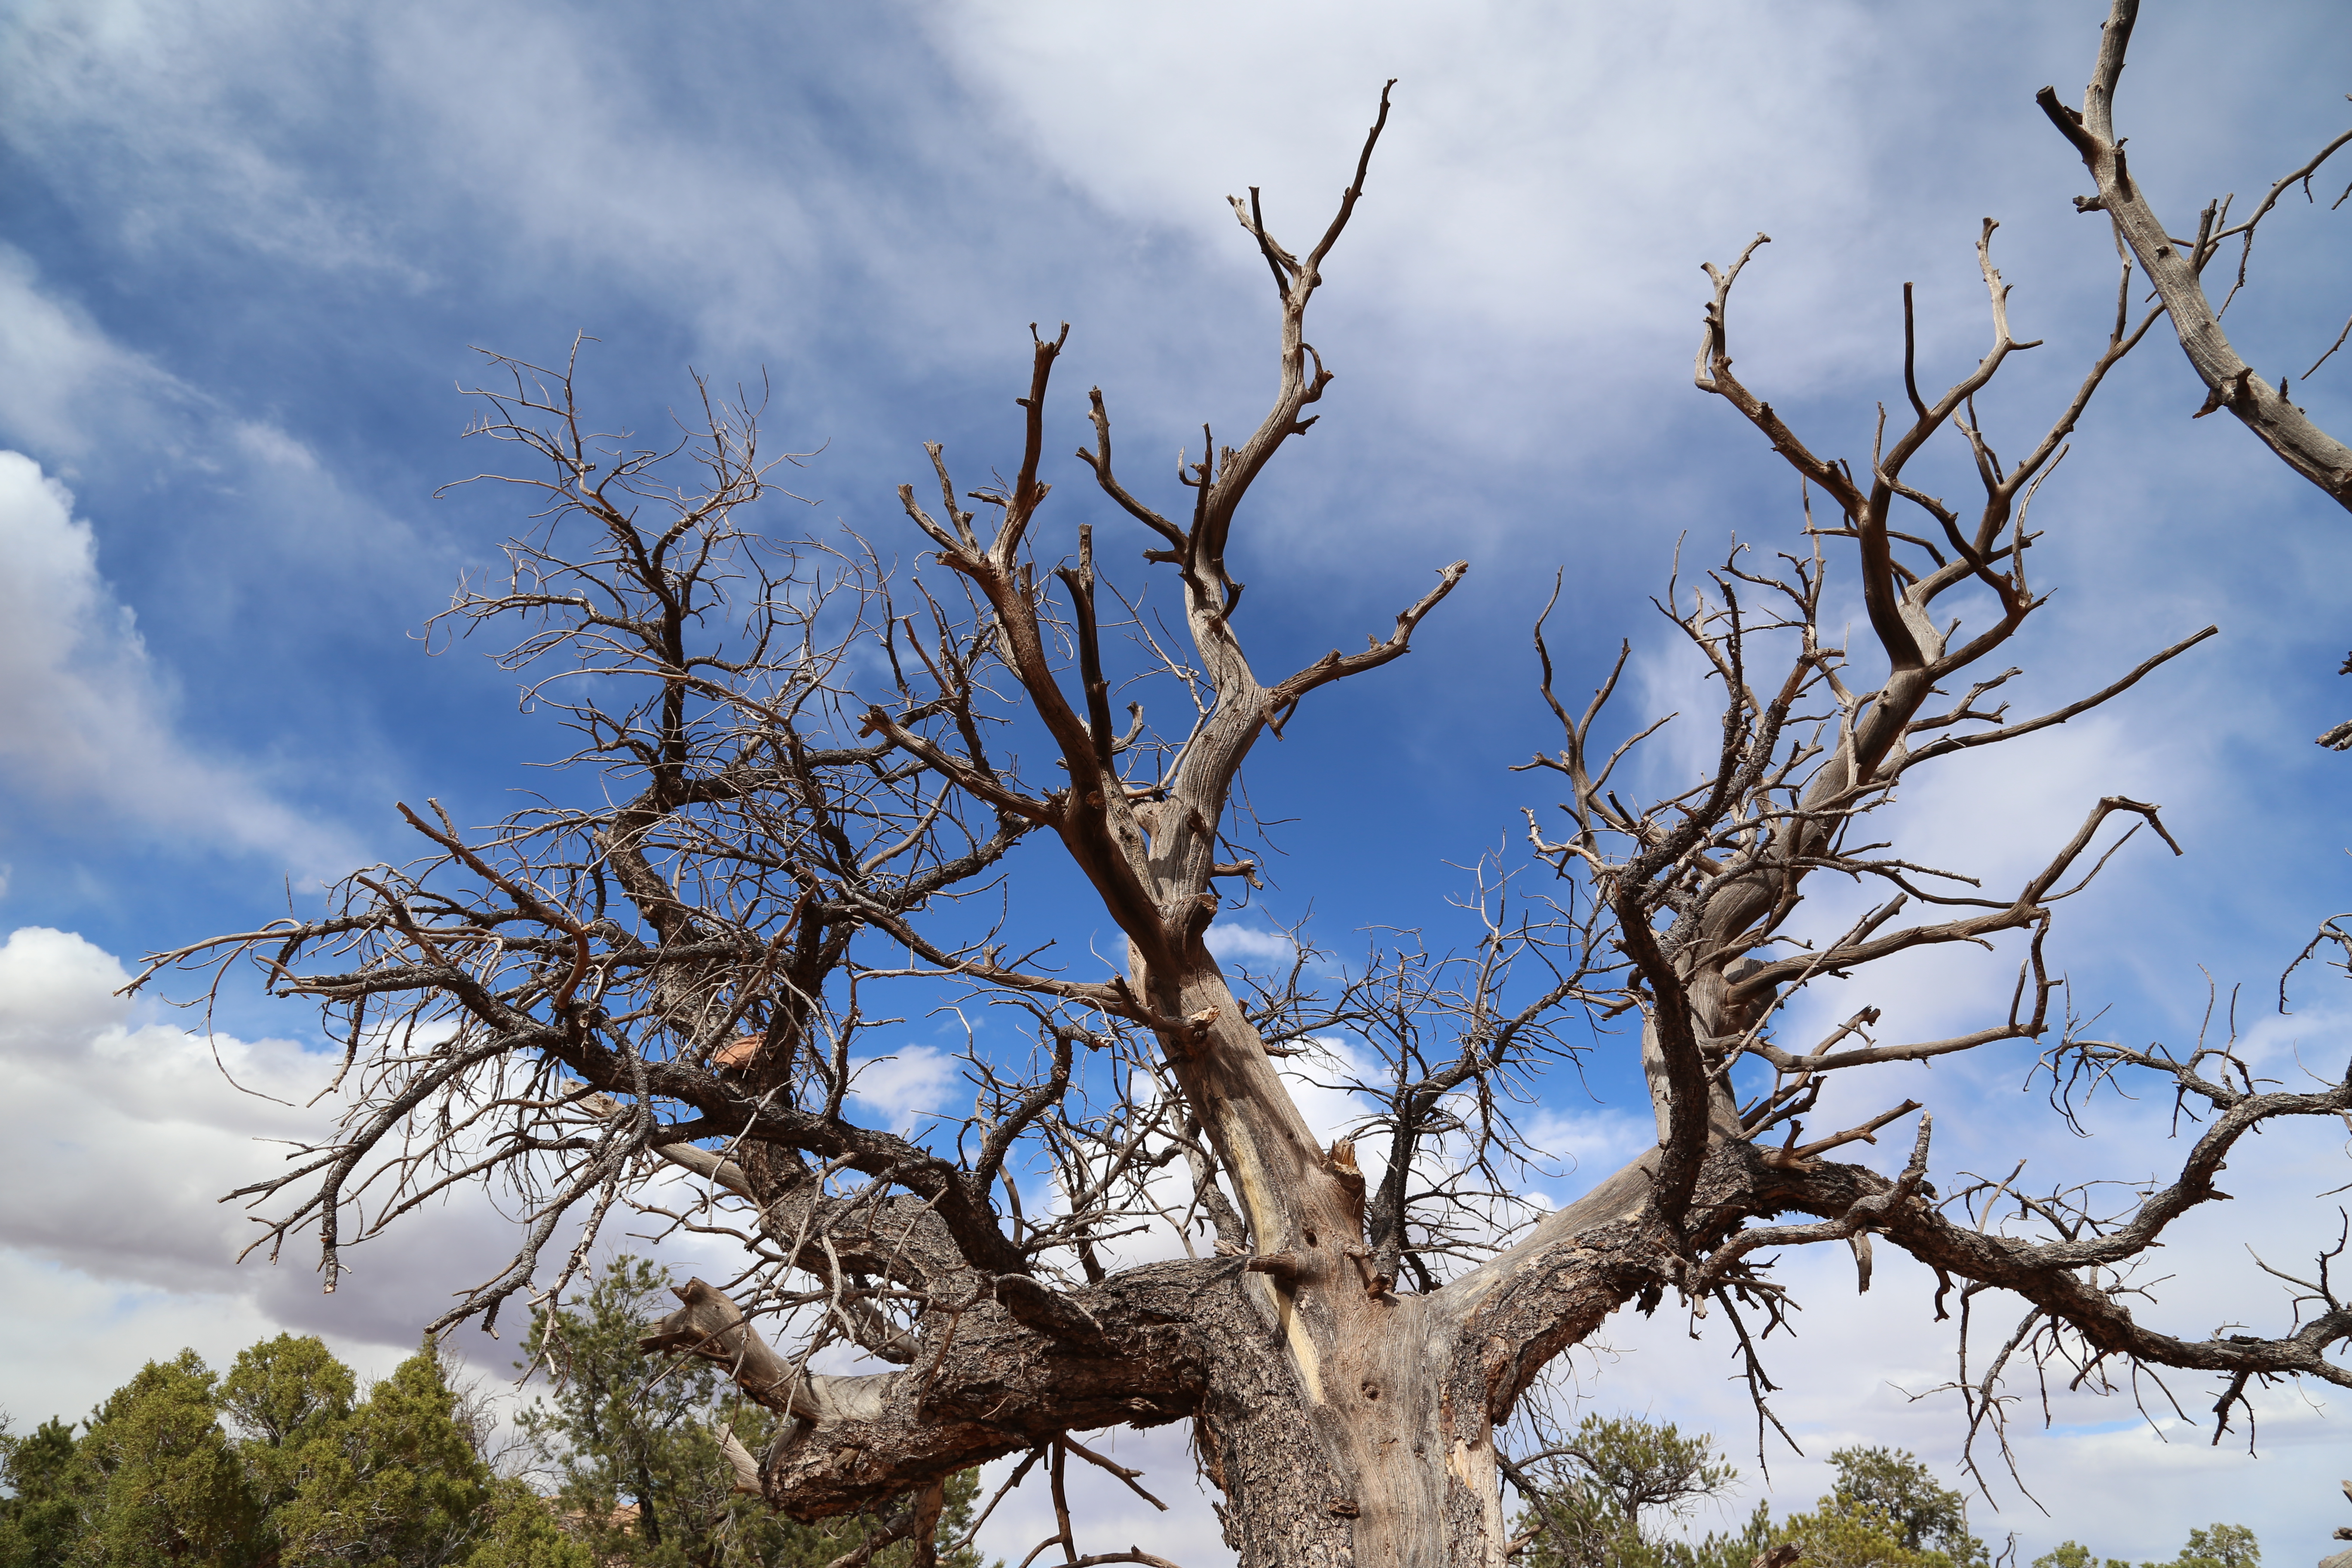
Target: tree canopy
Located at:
point(1624, 1481)
point(285, 1461)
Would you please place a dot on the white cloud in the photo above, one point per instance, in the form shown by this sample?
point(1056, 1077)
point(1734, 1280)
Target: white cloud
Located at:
point(66, 385)
point(120, 1135)
point(70, 391)
point(1584, 1145)
point(906, 1086)
point(86, 718)
point(77, 1336)
point(1249, 947)
point(270, 444)
point(75, 68)
point(542, 137)
point(131, 1130)
point(1505, 181)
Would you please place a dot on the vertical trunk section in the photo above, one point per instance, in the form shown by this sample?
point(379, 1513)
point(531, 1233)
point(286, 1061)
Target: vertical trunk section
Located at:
point(1343, 1428)
point(1384, 1459)
point(1381, 1458)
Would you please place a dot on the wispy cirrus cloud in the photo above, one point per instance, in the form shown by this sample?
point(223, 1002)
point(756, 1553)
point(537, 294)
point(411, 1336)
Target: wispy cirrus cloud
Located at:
point(87, 719)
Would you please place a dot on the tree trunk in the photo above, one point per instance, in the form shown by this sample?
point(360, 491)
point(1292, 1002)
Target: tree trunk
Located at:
point(1364, 1455)
point(1342, 1423)
point(1344, 1432)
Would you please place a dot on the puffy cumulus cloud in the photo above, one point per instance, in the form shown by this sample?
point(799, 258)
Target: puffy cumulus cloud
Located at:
point(86, 719)
point(133, 1129)
point(1251, 948)
point(122, 1133)
point(906, 1085)
point(77, 1337)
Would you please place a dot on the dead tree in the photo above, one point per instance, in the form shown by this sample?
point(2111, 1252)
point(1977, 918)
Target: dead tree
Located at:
point(2176, 267)
point(804, 796)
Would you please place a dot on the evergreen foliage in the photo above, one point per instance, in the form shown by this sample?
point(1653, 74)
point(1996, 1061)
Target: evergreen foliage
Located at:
point(395, 1484)
point(157, 1478)
point(1885, 1510)
point(1921, 1516)
point(1621, 1469)
point(632, 1442)
point(285, 1463)
point(2215, 1546)
point(521, 1531)
point(2218, 1546)
point(2074, 1554)
point(38, 1516)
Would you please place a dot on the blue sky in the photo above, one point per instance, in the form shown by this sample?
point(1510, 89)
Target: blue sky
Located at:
point(244, 250)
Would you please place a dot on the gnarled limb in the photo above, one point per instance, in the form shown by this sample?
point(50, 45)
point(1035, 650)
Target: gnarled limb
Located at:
point(2176, 267)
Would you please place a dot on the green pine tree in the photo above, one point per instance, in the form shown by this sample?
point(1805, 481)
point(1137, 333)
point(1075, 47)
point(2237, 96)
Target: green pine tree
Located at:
point(2215, 1546)
point(280, 1392)
point(40, 1517)
point(1923, 1517)
point(520, 1530)
point(396, 1483)
point(285, 1399)
point(2074, 1554)
point(1622, 1468)
point(633, 1443)
point(160, 1482)
point(1886, 1511)
point(2218, 1546)
point(1845, 1534)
